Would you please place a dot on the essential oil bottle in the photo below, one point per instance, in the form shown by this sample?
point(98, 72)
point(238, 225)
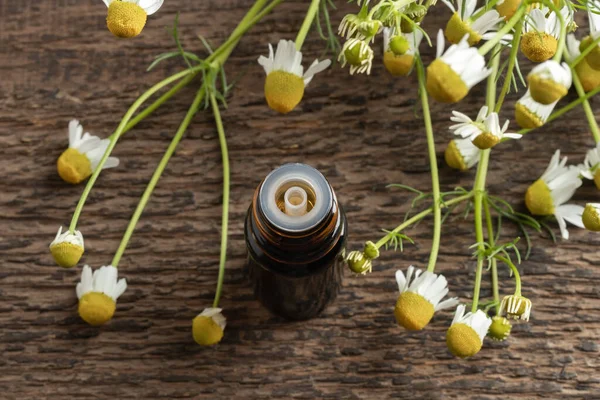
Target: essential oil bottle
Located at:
point(296, 237)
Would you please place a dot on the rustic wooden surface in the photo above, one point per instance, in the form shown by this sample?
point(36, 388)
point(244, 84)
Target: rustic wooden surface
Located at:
point(58, 62)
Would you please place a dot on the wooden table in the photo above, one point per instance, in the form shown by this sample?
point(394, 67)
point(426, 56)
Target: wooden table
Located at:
point(59, 62)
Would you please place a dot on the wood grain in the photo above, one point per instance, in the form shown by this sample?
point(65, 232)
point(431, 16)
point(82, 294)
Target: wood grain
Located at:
point(57, 62)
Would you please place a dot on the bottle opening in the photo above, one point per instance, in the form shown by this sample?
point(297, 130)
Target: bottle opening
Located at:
point(295, 197)
point(295, 200)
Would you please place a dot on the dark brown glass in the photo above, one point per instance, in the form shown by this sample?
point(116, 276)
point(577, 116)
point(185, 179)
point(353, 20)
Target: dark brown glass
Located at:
point(296, 274)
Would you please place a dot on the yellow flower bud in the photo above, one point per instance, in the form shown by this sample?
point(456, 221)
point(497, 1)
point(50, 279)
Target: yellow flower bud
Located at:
point(499, 329)
point(591, 217)
point(444, 84)
point(413, 311)
point(456, 29)
point(545, 91)
point(463, 341)
point(527, 119)
point(206, 331)
point(96, 308)
point(125, 19)
point(73, 166)
point(538, 46)
point(283, 90)
point(507, 8)
point(538, 199)
point(371, 251)
point(399, 45)
point(486, 140)
point(593, 57)
point(66, 254)
point(398, 65)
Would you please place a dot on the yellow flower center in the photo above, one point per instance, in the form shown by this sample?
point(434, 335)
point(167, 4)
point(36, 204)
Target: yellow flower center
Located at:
point(508, 8)
point(589, 77)
point(125, 19)
point(444, 84)
point(283, 91)
point(597, 178)
point(463, 341)
point(456, 29)
point(398, 65)
point(499, 329)
point(538, 199)
point(593, 57)
point(206, 331)
point(538, 46)
point(591, 219)
point(73, 167)
point(412, 311)
point(486, 140)
point(545, 91)
point(453, 157)
point(527, 119)
point(96, 308)
point(66, 254)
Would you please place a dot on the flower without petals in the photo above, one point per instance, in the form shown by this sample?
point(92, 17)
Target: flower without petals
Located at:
point(67, 248)
point(454, 72)
point(465, 336)
point(85, 151)
point(556, 186)
point(208, 327)
point(286, 79)
point(98, 293)
point(485, 132)
point(420, 297)
point(127, 18)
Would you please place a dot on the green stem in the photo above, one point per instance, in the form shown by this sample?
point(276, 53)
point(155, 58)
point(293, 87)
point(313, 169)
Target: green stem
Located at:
point(515, 272)
point(511, 65)
point(585, 52)
point(420, 216)
point(156, 176)
point(489, 45)
point(587, 108)
point(491, 242)
point(115, 137)
point(479, 189)
point(308, 20)
point(435, 182)
point(225, 216)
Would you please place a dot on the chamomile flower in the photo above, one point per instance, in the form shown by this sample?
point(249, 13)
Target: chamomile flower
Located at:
point(485, 132)
point(541, 31)
point(67, 248)
point(420, 297)
point(465, 336)
point(516, 307)
point(591, 217)
point(286, 79)
point(359, 262)
point(98, 294)
point(461, 23)
point(593, 57)
point(591, 165)
point(454, 72)
point(549, 81)
point(208, 327)
point(461, 154)
point(85, 151)
point(499, 329)
point(399, 51)
point(358, 54)
point(362, 27)
point(127, 18)
point(588, 76)
point(556, 186)
point(530, 114)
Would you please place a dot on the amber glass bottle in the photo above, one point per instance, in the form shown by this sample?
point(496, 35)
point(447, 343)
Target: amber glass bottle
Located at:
point(296, 237)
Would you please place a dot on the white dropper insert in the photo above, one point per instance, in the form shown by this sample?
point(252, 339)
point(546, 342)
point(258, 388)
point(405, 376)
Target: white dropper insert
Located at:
point(295, 199)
